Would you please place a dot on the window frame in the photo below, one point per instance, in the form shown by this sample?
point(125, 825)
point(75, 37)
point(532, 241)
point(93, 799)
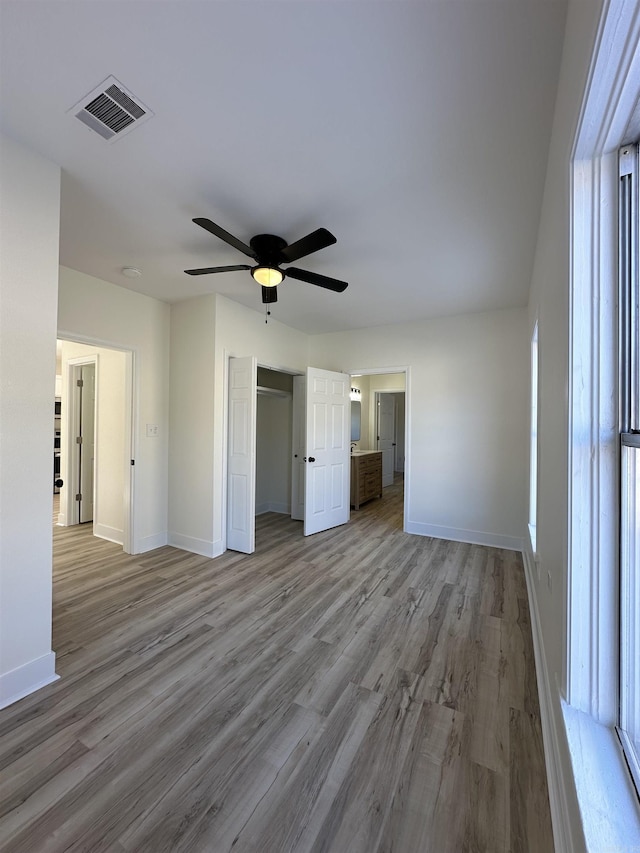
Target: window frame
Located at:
point(629, 426)
point(606, 794)
point(533, 437)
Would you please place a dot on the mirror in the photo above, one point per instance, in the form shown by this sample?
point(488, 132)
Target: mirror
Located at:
point(355, 421)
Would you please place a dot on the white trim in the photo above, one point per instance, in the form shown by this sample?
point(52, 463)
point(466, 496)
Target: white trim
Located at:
point(280, 507)
point(591, 679)
point(534, 427)
point(592, 659)
point(458, 534)
point(150, 543)
point(130, 417)
point(204, 547)
point(563, 834)
point(611, 95)
point(26, 679)
point(532, 533)
point(132, 397)
point(608, 801)
point(226, 354)
point(111, 534)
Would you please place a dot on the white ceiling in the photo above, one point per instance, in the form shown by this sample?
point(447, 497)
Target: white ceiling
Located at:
point(416, 132)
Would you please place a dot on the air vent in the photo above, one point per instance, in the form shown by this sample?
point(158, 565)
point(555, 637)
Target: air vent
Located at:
point(110, 110)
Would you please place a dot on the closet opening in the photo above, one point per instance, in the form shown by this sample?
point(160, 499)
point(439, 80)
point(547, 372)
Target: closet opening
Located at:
point(274, 442)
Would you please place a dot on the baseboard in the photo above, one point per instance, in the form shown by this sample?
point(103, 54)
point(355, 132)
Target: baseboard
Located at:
point(273, 506)
point(472, 537)
point(26, 679)
point(112, 534)
point(556, 781)
point(150, 543)
point(204, 547)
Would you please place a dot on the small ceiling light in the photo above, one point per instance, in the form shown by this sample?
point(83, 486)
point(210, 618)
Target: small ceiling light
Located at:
point(131, 272)
point(267, 276)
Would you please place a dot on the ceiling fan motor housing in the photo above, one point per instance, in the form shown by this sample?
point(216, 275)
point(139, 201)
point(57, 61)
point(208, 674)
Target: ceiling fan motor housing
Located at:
point(268, 249)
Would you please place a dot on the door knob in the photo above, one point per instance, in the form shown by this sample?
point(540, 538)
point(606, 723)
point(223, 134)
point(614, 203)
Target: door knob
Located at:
point(312, 459)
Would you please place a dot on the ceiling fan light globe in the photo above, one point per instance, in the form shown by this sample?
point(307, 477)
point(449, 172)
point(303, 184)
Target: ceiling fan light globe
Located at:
point(267, 276)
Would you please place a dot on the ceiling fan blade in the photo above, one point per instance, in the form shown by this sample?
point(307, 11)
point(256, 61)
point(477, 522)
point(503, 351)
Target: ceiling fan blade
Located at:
point(217, 231)
point(207, 270)
point(315, 278)
point(269, 295)
point(313, 242)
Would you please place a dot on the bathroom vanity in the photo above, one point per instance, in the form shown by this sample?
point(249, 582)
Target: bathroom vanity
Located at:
point(366, 476)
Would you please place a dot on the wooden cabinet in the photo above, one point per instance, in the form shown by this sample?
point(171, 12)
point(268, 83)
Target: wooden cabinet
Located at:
point(366, 477)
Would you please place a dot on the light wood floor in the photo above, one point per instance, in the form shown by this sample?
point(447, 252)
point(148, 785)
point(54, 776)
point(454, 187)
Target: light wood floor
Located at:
point(359, 691)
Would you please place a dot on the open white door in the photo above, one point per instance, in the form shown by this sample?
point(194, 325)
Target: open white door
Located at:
point(328, 425)
point(297, 449)
point(241, 461)
point(386, 432)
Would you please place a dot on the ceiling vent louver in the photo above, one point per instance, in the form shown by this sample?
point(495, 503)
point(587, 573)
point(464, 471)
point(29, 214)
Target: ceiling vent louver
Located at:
point(110, 110)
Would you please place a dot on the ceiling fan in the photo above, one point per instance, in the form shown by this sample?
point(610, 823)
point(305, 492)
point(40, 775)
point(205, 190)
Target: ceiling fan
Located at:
point(269, 253)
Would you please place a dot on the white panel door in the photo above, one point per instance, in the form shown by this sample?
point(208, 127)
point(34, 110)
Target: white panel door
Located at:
point(328, 427)
point(386, 408)
point(298, 444)
point(241, 454)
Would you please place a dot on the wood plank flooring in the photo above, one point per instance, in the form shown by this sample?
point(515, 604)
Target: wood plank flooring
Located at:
point(358, 691)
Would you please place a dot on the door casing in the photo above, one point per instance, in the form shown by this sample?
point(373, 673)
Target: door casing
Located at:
point(406, 369)
point(130, 411)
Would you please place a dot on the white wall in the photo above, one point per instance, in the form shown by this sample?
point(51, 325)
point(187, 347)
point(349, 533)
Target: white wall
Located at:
point(205, 332)
point(93, 310)
point(29, 236)
point(111, 438)
point(192, 425)
point(467, 408)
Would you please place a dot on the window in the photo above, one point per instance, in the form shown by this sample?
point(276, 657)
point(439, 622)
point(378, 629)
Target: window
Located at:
point(629, 700)
point(533, 451)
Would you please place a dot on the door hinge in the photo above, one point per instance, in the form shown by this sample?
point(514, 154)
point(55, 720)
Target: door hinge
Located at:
point(133, 461)
point(78, 439)
point(78, 497)
point(80, 383)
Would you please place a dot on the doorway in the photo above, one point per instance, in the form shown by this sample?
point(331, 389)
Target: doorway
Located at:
point(274, 436)
point(324, 398)
point(81, 463)
point(389, 409)
point(383, 397)
point(95, 386)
